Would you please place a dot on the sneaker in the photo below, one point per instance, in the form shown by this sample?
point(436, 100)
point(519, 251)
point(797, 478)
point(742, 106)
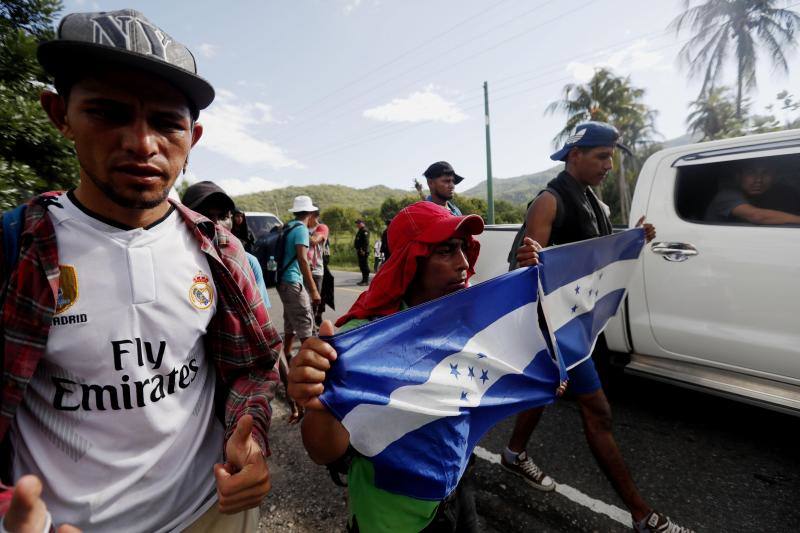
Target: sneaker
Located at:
point(527, 470)
point(656, 522)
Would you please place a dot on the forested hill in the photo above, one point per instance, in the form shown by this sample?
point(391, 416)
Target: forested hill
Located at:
point(518, 190)
point(278, 201)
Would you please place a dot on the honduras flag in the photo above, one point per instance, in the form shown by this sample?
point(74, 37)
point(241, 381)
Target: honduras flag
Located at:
point(582, 287)
point(418, 389)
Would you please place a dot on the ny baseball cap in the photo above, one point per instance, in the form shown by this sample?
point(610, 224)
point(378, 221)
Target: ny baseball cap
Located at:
point(124, 37)
point(441, 168)
point(590, 133)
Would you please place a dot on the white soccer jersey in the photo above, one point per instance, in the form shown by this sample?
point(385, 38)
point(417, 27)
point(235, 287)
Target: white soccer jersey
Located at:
point(119, 416)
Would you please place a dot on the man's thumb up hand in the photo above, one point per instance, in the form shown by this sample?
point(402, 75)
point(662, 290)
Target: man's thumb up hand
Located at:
point(27, 512)
point(240, 446)
point(243, 481)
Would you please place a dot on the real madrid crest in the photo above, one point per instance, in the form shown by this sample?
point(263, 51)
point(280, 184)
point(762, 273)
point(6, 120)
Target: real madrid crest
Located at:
point(67, 288)
point(201, 293)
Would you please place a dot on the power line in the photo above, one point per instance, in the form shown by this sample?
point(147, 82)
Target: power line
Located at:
point(399, 57)
point(377, 132)
point(436, 58)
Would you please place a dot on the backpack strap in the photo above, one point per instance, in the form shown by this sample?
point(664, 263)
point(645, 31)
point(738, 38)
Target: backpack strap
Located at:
point(13, 222)
point(282, 269)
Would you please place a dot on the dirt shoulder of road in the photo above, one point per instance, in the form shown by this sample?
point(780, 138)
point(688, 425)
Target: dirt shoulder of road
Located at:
point(303, 497)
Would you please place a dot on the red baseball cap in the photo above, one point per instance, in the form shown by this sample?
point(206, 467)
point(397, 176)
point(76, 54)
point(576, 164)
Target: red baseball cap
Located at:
point(430, 223)
point(411, 234)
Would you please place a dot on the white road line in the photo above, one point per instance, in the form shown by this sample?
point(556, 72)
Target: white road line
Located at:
point(571, 493)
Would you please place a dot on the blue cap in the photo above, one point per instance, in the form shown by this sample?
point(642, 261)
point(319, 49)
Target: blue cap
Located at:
point(590, 133)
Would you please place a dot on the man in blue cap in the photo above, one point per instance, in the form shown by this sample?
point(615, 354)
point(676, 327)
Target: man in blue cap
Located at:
point(568, 211)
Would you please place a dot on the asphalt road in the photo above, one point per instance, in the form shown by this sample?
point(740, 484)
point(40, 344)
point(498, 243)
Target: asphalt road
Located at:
point(709, 463)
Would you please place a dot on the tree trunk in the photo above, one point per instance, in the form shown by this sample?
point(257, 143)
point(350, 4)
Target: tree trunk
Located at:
point(739, 90)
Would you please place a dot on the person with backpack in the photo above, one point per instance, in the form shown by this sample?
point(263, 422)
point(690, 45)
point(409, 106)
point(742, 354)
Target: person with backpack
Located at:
point(568, 211)
point(296, 286)
point(138, 355)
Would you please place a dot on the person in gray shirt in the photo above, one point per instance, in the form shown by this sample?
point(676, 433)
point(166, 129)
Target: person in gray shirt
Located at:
point(756, 198)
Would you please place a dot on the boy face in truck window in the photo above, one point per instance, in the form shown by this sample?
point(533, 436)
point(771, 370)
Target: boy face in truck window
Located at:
point(755, 181)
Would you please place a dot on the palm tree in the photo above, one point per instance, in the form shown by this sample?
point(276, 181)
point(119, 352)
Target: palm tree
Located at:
point(608, 98)
point(714, 115)
point(739, 26)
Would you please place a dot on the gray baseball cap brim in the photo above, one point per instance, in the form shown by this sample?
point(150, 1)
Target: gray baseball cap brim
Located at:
point(62, 57)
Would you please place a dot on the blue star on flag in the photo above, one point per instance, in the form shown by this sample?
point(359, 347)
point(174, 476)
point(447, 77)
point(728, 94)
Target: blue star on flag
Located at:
point(577, 289)
point(481, 356)
point(464, 396)
point(484, 376)
point(574, 308)
point(471, 373)
point(454, 370)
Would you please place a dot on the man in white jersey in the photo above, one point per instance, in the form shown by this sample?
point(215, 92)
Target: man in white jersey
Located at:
point(138, 353)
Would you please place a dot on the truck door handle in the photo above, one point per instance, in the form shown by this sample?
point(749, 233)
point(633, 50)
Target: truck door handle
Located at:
point(674, 251)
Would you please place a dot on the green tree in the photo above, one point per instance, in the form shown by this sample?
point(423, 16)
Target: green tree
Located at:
point(613, 99)
point(714, 116)
point(507, 213)
point(738, 27)
point(372, 218)
point(471, 205)
point(340, 220)
point(788, 105)
point(34, 157)
point(391, 206)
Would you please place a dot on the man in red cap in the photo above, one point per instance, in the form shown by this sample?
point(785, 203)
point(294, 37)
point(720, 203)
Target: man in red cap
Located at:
point(433, 254)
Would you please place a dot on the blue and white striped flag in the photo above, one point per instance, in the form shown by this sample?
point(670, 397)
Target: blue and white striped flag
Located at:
point(418, 389)
point(583, 285)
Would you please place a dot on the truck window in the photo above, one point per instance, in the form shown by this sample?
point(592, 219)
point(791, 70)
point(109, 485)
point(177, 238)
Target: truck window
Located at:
point(759, 191)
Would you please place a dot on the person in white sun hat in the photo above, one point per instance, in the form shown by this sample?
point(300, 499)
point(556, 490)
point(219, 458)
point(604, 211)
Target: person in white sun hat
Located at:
point(293, 278)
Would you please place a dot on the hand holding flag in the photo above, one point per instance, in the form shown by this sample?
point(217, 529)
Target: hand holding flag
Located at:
point(528, 253)
point(307, 369)
point(649, 229)
point(324, 437)
point(415, 392)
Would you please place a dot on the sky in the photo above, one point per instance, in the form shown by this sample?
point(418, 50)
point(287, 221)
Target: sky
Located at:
point(370, 92)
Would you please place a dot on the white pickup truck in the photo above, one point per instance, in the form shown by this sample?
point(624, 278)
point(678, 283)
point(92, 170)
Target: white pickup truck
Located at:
point(715, 304)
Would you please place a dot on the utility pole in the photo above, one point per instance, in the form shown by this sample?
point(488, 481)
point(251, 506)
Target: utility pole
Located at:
point(489, 194)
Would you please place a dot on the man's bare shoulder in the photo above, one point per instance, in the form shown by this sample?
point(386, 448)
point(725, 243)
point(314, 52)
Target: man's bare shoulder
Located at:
point(545, 203)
